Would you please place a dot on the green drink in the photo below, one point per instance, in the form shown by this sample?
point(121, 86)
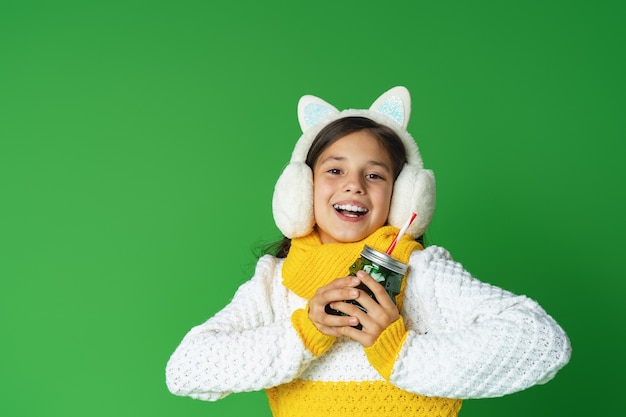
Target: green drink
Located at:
point(385, 270)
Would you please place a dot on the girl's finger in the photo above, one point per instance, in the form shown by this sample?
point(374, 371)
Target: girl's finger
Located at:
point(377, 289)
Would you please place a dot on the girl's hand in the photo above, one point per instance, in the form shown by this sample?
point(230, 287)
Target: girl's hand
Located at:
point(334, 294)
point(378, 317)
point(379, 314)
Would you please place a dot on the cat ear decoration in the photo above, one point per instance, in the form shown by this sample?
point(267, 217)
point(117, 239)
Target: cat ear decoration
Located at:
point(395, 103)
point(414, 189)
point(311, 109)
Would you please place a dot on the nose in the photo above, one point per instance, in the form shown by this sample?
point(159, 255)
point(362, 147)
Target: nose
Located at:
point(354, 184)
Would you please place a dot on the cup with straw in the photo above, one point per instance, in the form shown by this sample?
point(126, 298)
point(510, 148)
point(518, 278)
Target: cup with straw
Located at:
point(384, 269)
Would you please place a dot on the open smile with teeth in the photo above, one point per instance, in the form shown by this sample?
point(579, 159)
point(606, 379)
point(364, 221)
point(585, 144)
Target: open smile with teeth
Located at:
point(350, 210)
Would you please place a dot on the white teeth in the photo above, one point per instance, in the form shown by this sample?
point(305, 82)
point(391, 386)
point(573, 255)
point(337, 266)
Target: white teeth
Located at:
point(349, 207)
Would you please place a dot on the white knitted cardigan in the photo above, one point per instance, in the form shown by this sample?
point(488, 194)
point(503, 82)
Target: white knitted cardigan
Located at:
point(467, 339)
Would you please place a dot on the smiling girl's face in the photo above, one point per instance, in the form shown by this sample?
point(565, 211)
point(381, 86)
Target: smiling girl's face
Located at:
point(352, 186)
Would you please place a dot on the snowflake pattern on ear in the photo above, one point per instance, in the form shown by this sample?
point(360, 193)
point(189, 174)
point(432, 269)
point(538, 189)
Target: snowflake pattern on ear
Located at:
point(395, 103)
point(312, 109)
point(392, 108)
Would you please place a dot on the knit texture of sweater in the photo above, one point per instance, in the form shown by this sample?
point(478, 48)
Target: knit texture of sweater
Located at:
point(457, 338)
point(309, 266)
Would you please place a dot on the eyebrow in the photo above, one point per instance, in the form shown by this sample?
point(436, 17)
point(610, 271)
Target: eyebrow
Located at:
point(342, 158)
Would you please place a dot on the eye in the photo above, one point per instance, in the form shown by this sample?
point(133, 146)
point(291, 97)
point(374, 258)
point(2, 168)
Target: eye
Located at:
point(373, 176)
point(334, 171)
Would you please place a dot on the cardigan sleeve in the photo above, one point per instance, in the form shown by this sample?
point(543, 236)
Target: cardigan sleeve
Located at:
point(469, 339)
point(248, 345)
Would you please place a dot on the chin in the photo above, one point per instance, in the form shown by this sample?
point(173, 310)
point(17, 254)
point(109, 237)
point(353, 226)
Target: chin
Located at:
point(345, 232)
point(351, 237)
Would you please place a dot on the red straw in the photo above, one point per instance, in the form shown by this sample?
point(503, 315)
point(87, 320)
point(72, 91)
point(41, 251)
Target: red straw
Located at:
point(400, 233)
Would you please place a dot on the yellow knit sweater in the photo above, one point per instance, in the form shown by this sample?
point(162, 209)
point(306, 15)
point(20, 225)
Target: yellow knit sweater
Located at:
point(309, 266)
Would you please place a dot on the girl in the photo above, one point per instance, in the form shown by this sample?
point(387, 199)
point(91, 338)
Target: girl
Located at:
point(354, 178)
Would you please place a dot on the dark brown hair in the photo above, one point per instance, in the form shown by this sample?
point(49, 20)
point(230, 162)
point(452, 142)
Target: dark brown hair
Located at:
point(331, 133)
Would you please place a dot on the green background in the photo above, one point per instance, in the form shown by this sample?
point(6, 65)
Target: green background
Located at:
point(140, 142)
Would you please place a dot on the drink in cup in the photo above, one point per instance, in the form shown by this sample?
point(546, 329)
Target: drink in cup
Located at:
point(384, 269)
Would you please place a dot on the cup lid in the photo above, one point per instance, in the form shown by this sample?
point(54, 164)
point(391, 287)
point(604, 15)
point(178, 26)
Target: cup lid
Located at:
point(384, 260)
